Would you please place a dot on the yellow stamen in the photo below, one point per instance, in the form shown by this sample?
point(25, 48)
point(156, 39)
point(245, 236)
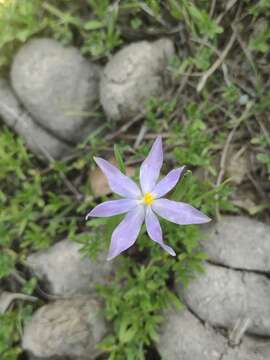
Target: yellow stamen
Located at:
point(148, 198)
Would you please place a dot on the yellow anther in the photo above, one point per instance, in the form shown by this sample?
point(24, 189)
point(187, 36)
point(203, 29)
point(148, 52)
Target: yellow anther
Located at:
point(148, 198)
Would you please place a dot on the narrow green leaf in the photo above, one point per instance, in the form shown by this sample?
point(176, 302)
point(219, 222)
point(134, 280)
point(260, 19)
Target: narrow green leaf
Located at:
point(119, 159)
point(93, 25)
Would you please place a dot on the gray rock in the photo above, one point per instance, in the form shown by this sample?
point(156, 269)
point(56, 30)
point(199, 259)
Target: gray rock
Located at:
point(69, 329)
point(249, 349)
point(184, 337)
point(38, 140)
point(238, 242)
point(67, 271)
point(222, 296)
point(57, 86)
point(134, 74)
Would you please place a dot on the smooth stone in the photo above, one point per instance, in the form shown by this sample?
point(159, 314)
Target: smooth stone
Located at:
point(69, 329)
point(222, 296)
point(249, 349)
point(57, 86)
point(133, 75)
point(39, 141)
point(238, 242)
point(67, 272)
point(184, 337)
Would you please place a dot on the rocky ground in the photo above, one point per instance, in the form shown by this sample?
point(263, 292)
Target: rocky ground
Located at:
point(54, 91)
point(227, 313)
point(50, 99)
point(227, 309)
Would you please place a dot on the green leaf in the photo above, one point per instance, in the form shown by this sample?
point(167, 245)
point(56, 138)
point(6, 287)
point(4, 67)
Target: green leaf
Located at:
point(201, 256)
point(204, 24)
point(108, 344)
point(127, 331)
point(93, 25)
point(119, 159)
point(7, 264)
point(264, 158)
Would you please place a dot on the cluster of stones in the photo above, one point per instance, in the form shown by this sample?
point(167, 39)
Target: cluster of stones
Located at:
point(53, 92)
point(227, 313)
point(72, 324)
point(50, 100)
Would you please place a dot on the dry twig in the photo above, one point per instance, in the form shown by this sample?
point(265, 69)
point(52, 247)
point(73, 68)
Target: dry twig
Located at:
point(217, 63)
point(245, 115)
point(140, 136)
point(125, 127)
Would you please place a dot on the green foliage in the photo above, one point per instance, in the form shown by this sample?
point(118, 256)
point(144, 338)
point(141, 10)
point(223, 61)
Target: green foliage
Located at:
point(194, 142)
point(265, 159)
point(19, 20)
point(263, 155)
point(119, 159)
point(231, 94)
point(100, 30)
point(34, 210)
point(22, 19)
point(262, 7)
point(158, 112)
point(11, 329)
point(142, 287)
point(37, 205)
point(8, 335)
point(133, 303)
point(202, 60)
point(202, 21)
point(141, 291)
point(196, 17)
point(260, 41)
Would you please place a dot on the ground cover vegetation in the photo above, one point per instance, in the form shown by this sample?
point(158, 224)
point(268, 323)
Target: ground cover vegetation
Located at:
point(219, 99)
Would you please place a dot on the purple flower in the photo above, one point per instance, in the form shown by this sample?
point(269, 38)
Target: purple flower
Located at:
point(145, 203)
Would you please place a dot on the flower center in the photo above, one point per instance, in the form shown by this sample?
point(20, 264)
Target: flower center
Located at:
point(148, 198)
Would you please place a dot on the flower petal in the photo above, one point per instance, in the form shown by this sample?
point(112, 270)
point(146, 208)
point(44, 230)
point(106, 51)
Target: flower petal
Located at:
point(179, 212)
point(168, 182)
point(113, 207)
point(126, 233)
point(154, 230)
point(118, 182)
point(150, 168)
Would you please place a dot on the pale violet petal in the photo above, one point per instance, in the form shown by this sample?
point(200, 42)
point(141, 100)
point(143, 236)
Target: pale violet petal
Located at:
point(150, 168)
point(154, 230)
point(179, 212)
point(168, 182)
point(126, 233)
point(118, 182)
point(112, 207)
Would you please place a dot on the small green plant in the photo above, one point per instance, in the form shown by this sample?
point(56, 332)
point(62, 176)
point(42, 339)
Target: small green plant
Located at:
point(144, 283)
point(263, 156)
point(142, 287)
point(8, 336)
point(260, 41)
